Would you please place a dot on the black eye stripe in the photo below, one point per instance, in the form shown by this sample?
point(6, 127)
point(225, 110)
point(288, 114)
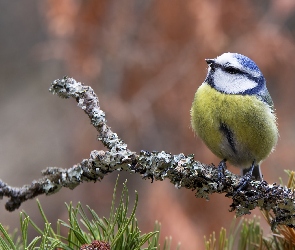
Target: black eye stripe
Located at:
point(232, 70)
point(227, 68)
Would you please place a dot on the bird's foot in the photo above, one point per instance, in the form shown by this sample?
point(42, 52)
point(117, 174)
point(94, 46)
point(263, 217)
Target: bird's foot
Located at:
point(221, 174)
point(245, 180)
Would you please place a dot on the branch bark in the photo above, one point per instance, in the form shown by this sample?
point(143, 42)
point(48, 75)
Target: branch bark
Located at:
point(181, 170)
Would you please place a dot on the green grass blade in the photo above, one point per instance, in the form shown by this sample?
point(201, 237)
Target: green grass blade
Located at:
point(9, 242)
point(33, 242)
point(121, 230)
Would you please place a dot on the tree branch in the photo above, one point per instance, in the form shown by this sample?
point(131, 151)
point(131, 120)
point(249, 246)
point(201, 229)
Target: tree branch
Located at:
point(181, 170)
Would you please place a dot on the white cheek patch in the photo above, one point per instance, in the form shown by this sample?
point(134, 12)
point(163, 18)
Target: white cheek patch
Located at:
point(232, 83)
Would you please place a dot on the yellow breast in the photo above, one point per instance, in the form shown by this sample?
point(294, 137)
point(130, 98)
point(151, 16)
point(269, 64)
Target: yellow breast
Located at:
point(216, 117)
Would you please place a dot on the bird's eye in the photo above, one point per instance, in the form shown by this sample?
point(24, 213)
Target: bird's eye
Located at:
point(232, 70)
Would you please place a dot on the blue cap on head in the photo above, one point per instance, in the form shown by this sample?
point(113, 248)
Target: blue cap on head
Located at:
point(246, 62)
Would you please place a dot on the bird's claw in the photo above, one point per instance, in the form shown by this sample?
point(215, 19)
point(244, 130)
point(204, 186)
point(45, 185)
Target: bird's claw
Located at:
point(221, 175)
point(245, 180)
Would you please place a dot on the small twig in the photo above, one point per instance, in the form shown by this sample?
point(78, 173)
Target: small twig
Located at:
point(181, 170)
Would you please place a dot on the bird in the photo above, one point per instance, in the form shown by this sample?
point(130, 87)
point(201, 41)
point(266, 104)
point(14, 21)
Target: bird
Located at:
point(233, 113)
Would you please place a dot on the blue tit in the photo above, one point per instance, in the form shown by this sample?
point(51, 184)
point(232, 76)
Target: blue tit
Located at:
point(233, 113)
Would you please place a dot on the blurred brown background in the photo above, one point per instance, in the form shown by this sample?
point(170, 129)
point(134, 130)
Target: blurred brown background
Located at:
point(145, 60)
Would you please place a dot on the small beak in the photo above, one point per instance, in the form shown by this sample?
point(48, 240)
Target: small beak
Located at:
point(210, 61)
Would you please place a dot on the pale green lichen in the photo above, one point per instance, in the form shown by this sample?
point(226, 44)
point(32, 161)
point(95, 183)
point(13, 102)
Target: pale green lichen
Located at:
point(50, 187)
